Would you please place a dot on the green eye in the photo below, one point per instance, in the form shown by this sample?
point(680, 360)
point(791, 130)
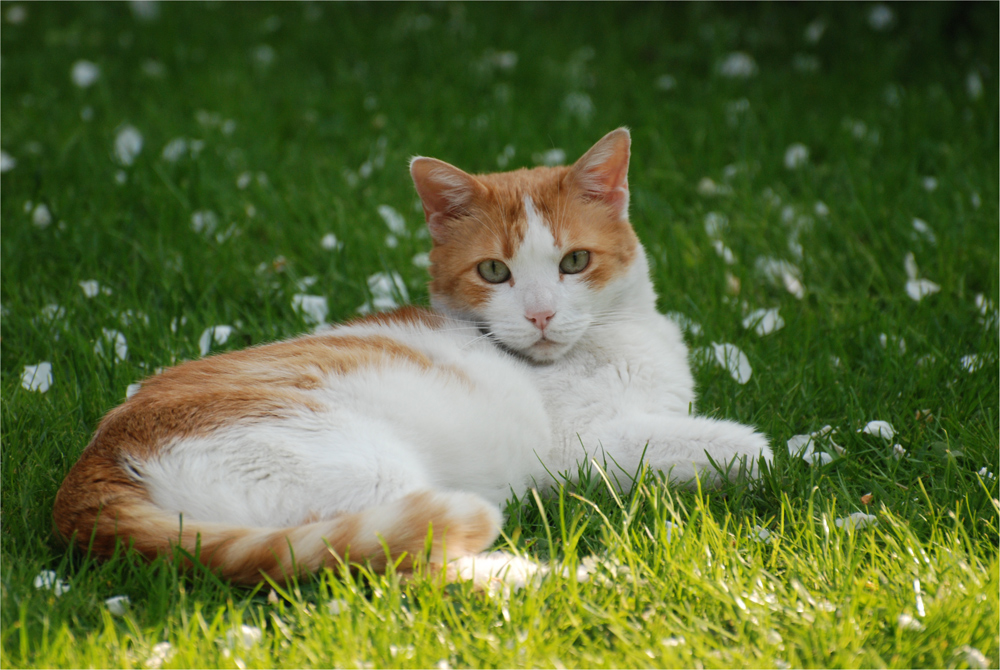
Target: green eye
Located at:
point(574, 261)
point(494, 271)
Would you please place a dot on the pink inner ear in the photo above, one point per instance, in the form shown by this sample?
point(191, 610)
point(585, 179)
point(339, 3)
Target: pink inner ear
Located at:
point(444, 191)
point(602, 172)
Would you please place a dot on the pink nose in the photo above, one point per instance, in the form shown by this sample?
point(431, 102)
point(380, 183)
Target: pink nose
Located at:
point(540, 319)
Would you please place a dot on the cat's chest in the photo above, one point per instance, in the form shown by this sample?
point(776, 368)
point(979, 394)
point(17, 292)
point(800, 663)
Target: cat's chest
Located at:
point(637, 368)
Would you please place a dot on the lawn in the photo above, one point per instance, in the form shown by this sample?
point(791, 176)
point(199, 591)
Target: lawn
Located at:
point(168, 169)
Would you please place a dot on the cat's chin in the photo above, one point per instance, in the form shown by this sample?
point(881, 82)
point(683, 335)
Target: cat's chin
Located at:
point(546, 351)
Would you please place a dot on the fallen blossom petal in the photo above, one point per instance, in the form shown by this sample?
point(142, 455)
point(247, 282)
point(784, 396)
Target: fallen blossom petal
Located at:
point(385, 287)
point(204, 221)
point(118, 605)
point(973, 657)
point(393, 219)
point(856, 520)
point(337, 606)
point(216, 334)
point(84, 73)
point(898, 452)
point(800, 445)
point(38, 377)
point(128, 145)
point(117, 340)
point(724, 252)
point(174, 150)
point(551, 158)
point(41, 216)
point(972, 362)
point(132, 389)
point(47, 579)
point(738, 65)
point(881, 429)
point(761, 535)
point(734, 361)
point(7, 162)
point(881, 18)
point(930, 184)
point(922, 228)
point(796, 155)
point(715, 225)
point(312, 306)
point(330, 242)
point(910, 265)
point(985, 474)
point(920, 288)
point(159, 654)
point(422, 260)
point(764, 321)
point(907, 622)
point(245, 636)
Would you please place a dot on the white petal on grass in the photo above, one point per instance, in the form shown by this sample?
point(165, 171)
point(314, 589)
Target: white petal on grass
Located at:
point(972, 362)
point(910, 265)
point(245, 636)
point(16, 15)
point(385, 287)
point(579, 104)
point(128, 145)
point(158, 655)
point(422, 260)
point(550, 158)
point(715, 224)
point(985, 474)
point(924, 230)
point(92, 288)
point(336, 606)
point(41, 216)
point(814, 31)
point(761, 535)
point(884, 341)
point(117, 341)
point(47, 579)
point(973, 657)
point(708, 188)
point(132, 389)
point(204, 221)
point(213, 334)
point(724, 252)
point(974, 85)
point(907, 622)
point(84, 73)
point(685, 323)
point(796, 155)
point(313, 307)
point(881, 18)
point(821, 209)
point(118, 605)
point(330, 242)
point(53, 312)
point(7, 162)
point(881, 429)
point(175, 150)
point(856, 520)
point(778, 271)
point(733, 360)
point(37, 377)
point(393, 219)
point(898, 451)
point(145, 10)
point(764, 321)
point(666, 83)
point(918, 289)
point(738, 65)
point(930, 184)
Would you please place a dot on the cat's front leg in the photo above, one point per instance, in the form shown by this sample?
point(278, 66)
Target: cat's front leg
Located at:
point(678, 446)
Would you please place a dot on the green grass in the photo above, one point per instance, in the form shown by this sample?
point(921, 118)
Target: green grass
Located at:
point(373, 84)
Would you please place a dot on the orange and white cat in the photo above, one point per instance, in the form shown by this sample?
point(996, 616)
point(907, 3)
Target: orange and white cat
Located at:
point(543, 349)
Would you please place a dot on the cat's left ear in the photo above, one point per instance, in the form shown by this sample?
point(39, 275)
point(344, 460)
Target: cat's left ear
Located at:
point(602, 172)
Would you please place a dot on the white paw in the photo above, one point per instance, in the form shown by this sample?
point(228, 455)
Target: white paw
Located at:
point(496, 570)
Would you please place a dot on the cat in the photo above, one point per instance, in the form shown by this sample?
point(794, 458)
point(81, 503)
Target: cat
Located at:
point(543, 349)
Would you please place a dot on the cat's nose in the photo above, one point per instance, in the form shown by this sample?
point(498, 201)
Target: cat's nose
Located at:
point(540, 318)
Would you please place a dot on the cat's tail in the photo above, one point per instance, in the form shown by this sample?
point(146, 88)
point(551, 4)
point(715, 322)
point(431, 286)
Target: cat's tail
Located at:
point(459, 524)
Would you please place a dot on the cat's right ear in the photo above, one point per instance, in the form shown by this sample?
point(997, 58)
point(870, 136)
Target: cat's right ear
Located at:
point(444, 190)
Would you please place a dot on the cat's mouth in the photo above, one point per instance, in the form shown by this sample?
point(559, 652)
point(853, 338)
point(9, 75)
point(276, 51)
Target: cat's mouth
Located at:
point(543, 349)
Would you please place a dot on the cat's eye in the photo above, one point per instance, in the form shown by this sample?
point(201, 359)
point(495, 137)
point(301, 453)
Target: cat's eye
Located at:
point(494, 271)
point(574, 261)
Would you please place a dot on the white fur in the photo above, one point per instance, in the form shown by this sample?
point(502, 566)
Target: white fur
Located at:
point(612, 381)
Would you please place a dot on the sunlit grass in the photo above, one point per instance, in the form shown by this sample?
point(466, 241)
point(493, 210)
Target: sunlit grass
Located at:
point(297, 122)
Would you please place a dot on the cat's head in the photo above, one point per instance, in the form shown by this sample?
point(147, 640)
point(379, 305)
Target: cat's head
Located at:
point(535, 257)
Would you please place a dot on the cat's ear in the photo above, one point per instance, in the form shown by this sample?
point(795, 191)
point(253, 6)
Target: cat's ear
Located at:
point(602, 172)
point(444, 190)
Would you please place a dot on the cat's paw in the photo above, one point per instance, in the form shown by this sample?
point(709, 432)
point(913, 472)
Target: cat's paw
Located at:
point(496, 570)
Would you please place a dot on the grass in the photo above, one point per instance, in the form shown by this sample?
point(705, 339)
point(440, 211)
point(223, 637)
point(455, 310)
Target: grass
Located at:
point(308, 114)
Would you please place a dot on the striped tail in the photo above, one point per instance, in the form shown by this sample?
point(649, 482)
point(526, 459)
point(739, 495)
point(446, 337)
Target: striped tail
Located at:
point(461, 524)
